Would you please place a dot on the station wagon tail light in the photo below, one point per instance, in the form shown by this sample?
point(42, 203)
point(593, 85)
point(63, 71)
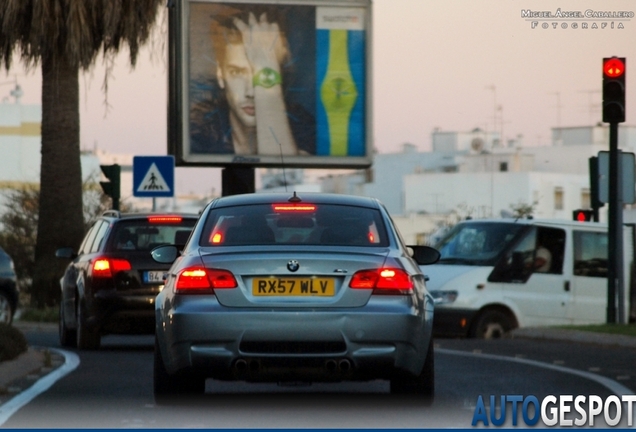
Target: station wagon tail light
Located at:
point(164, 219)
point(107, 267)
point(193, 279)
point(383, 281)
point(294, 208)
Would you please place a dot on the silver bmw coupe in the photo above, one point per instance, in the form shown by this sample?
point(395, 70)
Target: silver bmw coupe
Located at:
point(294, 287)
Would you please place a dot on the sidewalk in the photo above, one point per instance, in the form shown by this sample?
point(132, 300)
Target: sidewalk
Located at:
point(22, 372)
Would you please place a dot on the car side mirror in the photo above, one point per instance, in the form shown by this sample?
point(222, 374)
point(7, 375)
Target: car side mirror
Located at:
point(165, 254)
point(424, 255)
point(66, 253)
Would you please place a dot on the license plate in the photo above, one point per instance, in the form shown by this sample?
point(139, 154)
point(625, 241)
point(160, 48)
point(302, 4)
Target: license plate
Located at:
point(304, 287)
point(154, 277)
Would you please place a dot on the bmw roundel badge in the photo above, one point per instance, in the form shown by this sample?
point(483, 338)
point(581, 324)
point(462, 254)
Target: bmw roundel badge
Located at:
point(293, 265)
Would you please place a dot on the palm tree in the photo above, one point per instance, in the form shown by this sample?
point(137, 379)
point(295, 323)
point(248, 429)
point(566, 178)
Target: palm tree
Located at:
point(64, 37)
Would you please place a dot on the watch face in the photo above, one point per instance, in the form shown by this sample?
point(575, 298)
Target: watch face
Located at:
point(267, 78)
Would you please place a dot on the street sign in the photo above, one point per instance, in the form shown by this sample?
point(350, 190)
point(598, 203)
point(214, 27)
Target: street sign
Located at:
point(627, 179)
point(153, 176)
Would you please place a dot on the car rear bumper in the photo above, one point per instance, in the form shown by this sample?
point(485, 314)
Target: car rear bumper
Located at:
point(295, 344)
point(115, 313)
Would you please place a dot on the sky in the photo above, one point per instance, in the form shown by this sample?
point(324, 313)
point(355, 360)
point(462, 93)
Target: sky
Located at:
point(452, 65)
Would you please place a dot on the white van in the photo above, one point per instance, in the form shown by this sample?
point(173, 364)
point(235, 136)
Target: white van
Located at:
point(496, 275)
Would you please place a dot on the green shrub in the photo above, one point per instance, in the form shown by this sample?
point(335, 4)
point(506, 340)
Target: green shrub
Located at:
point(12, 342)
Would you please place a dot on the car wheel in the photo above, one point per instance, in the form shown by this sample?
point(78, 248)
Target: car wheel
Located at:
point(422, 385)
point(6, 313)
point(87, 338)
point(68, 337)
point(491, 324)
point(168, 387)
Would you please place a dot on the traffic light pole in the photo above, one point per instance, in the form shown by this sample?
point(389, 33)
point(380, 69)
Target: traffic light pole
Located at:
point(615, 230)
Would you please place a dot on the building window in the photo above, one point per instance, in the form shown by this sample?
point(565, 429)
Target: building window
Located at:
point(586, 199)
point(558, 198)
point(503, 166)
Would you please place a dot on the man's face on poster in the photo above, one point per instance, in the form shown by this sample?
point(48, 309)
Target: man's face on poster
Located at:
point(235, 77)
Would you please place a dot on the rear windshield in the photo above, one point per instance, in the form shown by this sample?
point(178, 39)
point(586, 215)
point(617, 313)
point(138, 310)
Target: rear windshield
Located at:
point(477, 243)
point(143, 235)
point(294, 224)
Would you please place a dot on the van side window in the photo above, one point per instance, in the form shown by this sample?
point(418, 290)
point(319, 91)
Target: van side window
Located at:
point(540, 250)
point(590, 254)
point(516, 265)
point(550, 251)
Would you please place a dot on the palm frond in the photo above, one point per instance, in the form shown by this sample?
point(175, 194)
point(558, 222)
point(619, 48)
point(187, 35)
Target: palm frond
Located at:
point(77, 30)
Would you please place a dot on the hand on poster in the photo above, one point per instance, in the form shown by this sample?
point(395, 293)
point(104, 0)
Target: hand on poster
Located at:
point(264, 46)
point(265, 49)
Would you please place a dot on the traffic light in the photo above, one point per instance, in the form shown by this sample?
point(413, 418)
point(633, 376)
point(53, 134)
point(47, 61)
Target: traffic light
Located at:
point(112, 188)
point(614, 89)
point(583, 215)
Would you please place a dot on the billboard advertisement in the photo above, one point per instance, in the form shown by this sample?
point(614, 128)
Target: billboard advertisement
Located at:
point(270, 83)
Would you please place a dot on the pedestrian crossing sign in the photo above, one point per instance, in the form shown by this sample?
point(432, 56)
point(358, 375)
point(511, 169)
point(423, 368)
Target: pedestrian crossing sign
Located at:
point(153, 176)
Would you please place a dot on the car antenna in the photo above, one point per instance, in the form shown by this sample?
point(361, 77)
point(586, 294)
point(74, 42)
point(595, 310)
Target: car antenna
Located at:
point(295, 198)
point(282, 161)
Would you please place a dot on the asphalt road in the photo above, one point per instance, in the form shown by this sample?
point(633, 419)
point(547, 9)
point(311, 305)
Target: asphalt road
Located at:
point(112, 388)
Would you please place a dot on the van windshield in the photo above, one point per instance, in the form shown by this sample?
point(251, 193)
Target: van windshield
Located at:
point(477, 243)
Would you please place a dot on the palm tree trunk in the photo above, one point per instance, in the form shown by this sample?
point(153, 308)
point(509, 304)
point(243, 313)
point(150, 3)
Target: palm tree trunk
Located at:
point(60, 222)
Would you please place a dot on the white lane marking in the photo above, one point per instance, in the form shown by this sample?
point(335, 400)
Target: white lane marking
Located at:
point(71, 362)
point(612, 385)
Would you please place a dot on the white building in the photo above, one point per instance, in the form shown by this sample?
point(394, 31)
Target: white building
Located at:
point(472, 174)
point(20, 144)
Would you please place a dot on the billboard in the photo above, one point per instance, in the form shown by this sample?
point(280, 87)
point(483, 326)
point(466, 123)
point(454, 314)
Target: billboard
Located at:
point(270, 83)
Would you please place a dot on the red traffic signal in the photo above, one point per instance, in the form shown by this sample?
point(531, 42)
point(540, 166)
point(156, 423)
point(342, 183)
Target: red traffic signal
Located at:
point(613, 67)
point(583, 215)
point(614, 70)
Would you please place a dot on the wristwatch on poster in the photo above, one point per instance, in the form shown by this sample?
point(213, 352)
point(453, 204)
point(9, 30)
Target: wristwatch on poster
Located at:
point(267, 77)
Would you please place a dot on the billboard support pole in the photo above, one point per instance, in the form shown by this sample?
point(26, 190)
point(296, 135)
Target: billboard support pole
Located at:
point(237, 180)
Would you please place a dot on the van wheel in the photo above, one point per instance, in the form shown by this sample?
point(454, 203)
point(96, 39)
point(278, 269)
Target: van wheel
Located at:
point(491, 324)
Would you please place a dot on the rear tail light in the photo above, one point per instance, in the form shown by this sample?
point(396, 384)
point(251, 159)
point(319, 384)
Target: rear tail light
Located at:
point(108, 267)
point(201, 279)
point(383, 281)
